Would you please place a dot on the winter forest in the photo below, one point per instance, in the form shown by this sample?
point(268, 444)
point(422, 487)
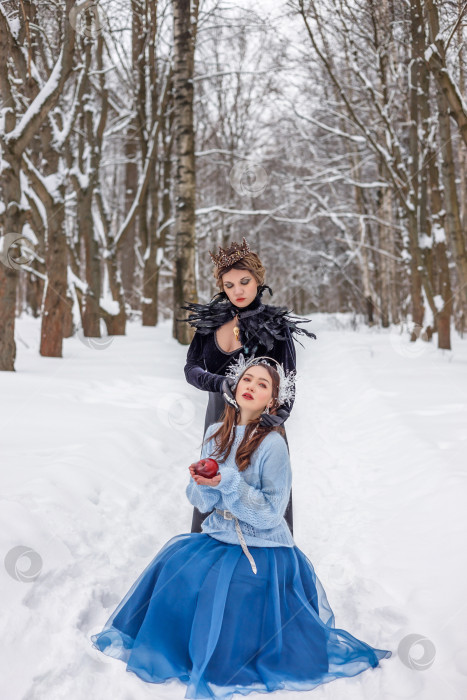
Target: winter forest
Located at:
point(136, 136)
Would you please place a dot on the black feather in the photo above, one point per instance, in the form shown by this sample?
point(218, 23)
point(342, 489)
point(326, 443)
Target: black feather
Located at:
point(257, 321)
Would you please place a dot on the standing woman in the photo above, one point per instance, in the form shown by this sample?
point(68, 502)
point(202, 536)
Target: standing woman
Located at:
point(237, 321)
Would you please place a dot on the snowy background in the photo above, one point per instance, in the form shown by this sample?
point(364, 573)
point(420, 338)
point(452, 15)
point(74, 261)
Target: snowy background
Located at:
point(95, 455)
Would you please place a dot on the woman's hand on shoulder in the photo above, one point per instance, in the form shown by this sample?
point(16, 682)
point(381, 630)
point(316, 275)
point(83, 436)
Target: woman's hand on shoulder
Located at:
point(271, 420)
point(201, 480)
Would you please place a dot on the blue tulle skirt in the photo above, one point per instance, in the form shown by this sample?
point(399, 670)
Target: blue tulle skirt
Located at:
point(199, 614)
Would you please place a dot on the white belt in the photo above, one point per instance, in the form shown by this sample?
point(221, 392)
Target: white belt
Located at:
point(227, 515)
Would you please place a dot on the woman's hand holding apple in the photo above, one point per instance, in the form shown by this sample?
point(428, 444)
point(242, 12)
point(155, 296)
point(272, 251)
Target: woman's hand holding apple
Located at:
point(213, 481)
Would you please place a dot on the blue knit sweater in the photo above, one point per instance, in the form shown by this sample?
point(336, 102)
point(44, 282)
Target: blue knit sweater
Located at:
point(258, 496)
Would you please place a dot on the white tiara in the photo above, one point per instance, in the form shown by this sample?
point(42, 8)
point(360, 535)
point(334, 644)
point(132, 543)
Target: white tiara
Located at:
point(287, 380)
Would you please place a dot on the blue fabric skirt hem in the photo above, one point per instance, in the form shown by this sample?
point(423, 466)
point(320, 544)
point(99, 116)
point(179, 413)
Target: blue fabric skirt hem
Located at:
point(199, 615)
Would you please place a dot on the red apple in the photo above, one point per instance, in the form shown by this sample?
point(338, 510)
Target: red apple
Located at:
point(206, 467)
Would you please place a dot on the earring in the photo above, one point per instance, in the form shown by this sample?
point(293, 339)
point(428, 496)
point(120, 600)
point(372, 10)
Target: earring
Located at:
point(266, 410)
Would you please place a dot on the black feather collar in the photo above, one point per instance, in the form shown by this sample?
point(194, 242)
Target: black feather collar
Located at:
point(258, 322)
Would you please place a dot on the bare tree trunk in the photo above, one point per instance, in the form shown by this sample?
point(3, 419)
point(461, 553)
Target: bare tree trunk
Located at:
point(8, 278)
point(16, 139)
point(128, 260)
point(34, 282)
point(365, 267)
point(434, 253)
point(158, 228)
point(461, 88)
point(55, 301)
point(115, 323)
point(151, 266)
point(452, 221)
point(447, 94)
point(85, 179)
point(363, 252)
point(385, 233)
point(386, 230)
point(91, 313)
point(436, 59)
point(151, 270)
point(88, 167)
point(12, 219)
point(416, 282)
point(55, 304)
point(184, 273)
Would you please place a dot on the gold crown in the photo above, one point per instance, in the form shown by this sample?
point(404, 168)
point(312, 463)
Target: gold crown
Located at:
point(229, 256)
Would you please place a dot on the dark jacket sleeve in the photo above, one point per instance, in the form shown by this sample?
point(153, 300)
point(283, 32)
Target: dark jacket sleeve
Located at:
point(195, 373)
point(289, 362)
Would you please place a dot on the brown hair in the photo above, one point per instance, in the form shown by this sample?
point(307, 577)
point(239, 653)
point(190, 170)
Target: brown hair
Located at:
point(229, 418)
point(250, 262)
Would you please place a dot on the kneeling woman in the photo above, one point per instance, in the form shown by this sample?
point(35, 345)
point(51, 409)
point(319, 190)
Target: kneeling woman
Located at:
point(237, 607)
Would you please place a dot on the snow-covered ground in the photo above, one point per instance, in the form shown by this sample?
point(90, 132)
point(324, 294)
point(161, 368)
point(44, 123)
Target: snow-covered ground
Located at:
point(95, 455)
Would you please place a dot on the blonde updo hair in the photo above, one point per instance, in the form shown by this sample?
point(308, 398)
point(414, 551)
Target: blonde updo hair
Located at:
point(250, 262)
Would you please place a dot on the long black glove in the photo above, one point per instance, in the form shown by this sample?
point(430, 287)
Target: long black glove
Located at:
point(226, 390)
point(270, 420)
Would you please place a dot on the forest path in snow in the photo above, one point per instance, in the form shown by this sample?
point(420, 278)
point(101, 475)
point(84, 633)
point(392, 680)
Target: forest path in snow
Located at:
point(375, 442)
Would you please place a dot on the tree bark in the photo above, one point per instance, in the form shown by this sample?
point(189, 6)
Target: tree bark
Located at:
point(436, 59)
point(435, 252)
point(184, 272)
point(18, 135)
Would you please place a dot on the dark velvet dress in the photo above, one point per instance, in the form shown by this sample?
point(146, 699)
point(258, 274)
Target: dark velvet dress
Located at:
point(264, 330)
